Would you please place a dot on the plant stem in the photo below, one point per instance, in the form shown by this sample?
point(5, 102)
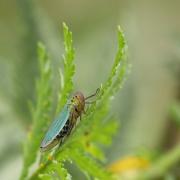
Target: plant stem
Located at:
point(161, 166)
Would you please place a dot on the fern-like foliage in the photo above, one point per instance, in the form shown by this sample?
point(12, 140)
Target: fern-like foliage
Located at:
point(82, 147)
point(69, 69)
point(40, 114)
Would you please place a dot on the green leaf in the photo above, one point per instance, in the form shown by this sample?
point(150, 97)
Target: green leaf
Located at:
point(69, 69)
point(94, 151)
point(87, 164)
point(63, 174)
point(83, 146)
point(109, 129)
point(118, 69)
point(41, 112)
point(45, 176)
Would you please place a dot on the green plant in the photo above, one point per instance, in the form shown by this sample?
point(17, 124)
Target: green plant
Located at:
point(82, 147)
point(175, 113)
point(162, 167)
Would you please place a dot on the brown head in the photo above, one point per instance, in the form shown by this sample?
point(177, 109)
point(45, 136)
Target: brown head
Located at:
point(78, 101)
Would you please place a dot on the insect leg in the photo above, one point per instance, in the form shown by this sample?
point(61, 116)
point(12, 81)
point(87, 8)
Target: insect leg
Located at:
point(60, 142)
point(70, 129)
point(89, 102)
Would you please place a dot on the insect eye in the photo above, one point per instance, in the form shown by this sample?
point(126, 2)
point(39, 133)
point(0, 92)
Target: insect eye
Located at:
point(76, 109)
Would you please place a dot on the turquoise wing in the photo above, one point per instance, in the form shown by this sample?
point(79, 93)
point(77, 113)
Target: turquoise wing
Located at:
point(56, 126)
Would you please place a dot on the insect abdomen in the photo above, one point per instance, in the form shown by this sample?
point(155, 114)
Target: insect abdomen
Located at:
point(64, 131)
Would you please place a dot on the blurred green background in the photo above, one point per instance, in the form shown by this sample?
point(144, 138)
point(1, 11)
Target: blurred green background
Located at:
point(152, 29)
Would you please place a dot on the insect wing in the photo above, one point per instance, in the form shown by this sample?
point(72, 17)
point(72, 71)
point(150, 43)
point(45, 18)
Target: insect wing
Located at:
point(56, 126)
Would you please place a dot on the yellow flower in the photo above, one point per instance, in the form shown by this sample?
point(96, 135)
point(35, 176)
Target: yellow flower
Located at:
point(129, 163)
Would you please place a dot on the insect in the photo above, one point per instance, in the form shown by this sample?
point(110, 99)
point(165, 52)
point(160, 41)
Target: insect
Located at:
point(63, 124)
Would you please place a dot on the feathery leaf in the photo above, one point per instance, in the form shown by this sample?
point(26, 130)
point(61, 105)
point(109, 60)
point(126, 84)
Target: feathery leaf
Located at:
point(83, 146)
